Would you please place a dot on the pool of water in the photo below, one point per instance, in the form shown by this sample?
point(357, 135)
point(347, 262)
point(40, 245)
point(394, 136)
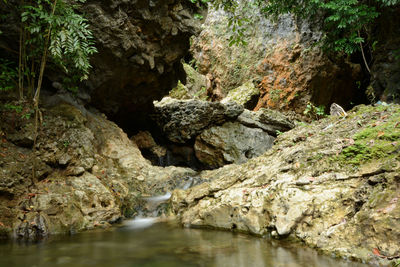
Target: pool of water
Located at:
point(163, 245)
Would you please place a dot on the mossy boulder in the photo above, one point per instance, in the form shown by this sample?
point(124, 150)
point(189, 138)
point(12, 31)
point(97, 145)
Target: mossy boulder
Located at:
point(246, 95)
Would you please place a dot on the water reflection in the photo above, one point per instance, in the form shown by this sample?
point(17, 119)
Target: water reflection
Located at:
point(162, 245)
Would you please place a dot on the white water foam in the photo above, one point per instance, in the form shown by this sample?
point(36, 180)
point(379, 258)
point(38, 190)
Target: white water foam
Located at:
point(140, 222)
point(158, 198)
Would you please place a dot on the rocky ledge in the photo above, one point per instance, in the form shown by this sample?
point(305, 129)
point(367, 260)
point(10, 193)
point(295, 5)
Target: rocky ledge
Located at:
point(334, 185)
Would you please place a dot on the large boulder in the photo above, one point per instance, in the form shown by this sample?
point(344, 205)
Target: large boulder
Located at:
point(181, 120)
point(271, 121)
point(334, 185)
point(231, 143)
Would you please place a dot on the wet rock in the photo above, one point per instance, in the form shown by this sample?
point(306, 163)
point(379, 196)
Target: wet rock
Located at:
point(88, 174)
point(181, 120)
point(33, 228)
point(231, 143)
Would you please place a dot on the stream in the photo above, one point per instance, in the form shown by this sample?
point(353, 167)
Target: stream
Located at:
point(162, 244)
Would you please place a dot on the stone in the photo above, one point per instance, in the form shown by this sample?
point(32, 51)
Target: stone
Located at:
point(88, 173)
point(231, 143)
point(268, 120)
point(132, 37)
point(245, 95)
point(311, 191)
point(282, 60)
point(182, 120)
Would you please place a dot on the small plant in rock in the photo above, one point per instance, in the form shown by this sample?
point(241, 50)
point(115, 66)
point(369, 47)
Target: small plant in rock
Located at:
point(314, 112)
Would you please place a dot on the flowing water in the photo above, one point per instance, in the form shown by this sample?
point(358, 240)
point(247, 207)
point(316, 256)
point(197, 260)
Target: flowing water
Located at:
point(162, 244)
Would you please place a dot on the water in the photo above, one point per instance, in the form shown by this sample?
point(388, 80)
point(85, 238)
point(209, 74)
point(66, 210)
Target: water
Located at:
point(162, 245)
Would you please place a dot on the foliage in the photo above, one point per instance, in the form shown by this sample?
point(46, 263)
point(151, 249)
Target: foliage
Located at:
point(8, 75)
point(314, 112)
point(71, 41)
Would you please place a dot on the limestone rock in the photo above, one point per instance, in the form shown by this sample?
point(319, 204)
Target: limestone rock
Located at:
point(149, 147)
point(231, 143)
point(280, 56)
point(330, 190)
point(87, 174)
point(268, 120)
point(140, 38)
point(246, 95)
point(182, 120)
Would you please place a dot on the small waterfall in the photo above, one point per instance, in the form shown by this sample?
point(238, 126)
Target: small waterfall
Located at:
point(154, 207)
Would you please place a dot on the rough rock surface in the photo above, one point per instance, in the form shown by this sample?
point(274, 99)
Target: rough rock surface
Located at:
point(193, 88)
point(181, 120)
point(281, 57)
point(268, 120)
point(140, 44)
point(335, 185)
point(87, 173)
point(231, 143)
point(246, 95)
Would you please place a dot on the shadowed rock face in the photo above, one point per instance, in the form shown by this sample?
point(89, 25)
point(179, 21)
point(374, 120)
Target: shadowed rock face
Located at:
point(140, 45)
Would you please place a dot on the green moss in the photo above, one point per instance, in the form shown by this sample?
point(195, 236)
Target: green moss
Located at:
point(179, 92)
point(378, 140)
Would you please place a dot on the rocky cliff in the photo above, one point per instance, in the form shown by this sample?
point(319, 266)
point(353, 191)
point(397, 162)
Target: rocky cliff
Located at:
point(281, 58)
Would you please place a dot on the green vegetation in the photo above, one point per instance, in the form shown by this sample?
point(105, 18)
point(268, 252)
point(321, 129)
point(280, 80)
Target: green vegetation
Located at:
point(314, 112)
point(376, 141)
point(52, 33)
point(8, 75)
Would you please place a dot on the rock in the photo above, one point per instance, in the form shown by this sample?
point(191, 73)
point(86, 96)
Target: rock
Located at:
point(140, 45)
point(64, 159)
point(136, 37)
point(385, 70)
point(330, 191)
point(266, 119)
point(101, 178)
point(181, 120)
point(280, 56)
point(231, 143)
point(24, 137)
point(149, 147)
point(33, 228)
point(245, 95)
point(193, 88)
